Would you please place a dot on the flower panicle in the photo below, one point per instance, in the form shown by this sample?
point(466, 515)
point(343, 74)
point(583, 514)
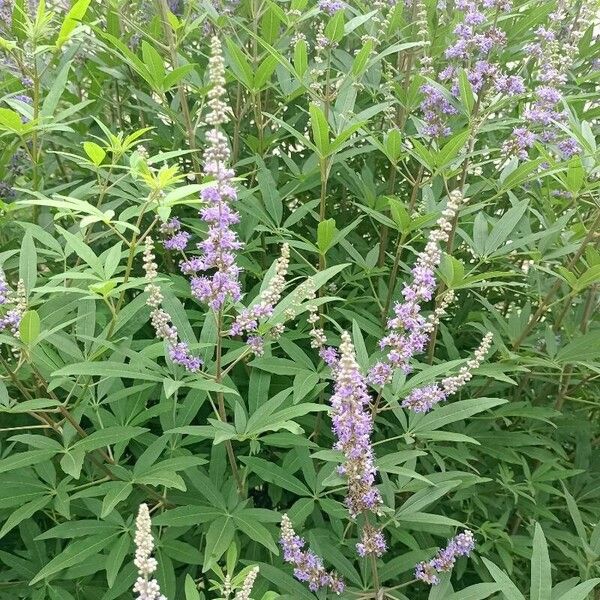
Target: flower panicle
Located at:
point(372, 542)
point(308, 567)
point(246, 589)
point(217, 251)
point(248, 319)
point(179, 351)
point(476, 37)
point(352, 424)
point(555, 49)
point(177, 239)
point(423, 399)
point(408, 329)
point(443, 562)
point(11, 319)
point(146, 587)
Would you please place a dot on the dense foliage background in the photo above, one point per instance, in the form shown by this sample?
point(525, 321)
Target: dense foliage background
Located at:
point(350, 126)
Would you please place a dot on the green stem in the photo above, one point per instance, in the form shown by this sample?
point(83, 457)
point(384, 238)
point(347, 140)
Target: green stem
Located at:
point(545, 303)
point(221, 403)
point(185, 111)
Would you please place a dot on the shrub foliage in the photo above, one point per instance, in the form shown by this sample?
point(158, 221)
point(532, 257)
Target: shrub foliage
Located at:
point(299, 299)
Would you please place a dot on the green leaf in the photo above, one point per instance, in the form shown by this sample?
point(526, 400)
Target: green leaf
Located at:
point(320, 129)
point(334, 30)
point(107, 369)
point(392, 145)
point(29, 327)
point(509, 589)
point(284, 582)
point(23, 512)
point(300, 58)
point(541, 572)
point(115, 558)
point(218, 538)
point(25, 459)
point(325, 234)
point(190, 588)
point(361, 59)
point(429, 519)
point(575, 174)
point(270, 24)
point(255, 531)
point(74, 554)
point(581, 591)
point(583, 348)
point(451, 149)
point(117, 492)
point(455, 411)
point(479, 591)
point(466, 91)
point(73, 529)
point(59, 85)
point(10, 120)
point(28, 261)
point(71, 20)
point(110, 435)
point(95, 152)
point(264, 72)
point(239, 65)
point(275, 474)
point(153, 62)
point(505, 226)
point(176, 76)
point(82, 250)
point(187, 516)
point(72, 462)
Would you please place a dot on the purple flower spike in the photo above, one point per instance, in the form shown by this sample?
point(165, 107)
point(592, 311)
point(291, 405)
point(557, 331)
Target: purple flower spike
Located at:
point(308, 567)
point(352, 426)
point(408, 329)
point(330, 6)
point(460, 545)
point(179, 351)
point(217, 251)
point(372, 542)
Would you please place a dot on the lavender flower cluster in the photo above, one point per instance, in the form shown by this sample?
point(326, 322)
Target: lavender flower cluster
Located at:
point(177, 238)
point(372, 542)
point(218, 249)
point(11, 319)
point(179, 351)
point(476, 39)
point(352, 425)
point(460, 545)
point(248, 319)
point(554, 50)
point(409, 330)
point(308, 567)
point(423, 399)
point(330, 7)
